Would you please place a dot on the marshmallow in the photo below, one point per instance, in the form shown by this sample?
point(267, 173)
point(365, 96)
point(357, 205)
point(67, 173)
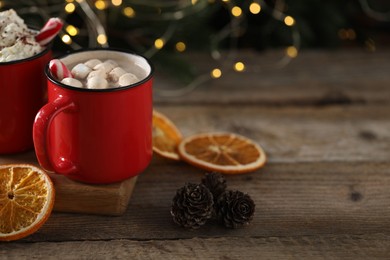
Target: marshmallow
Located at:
point(80, 71)
point(72, 82)
point(97, 73)
point(127, 79)
point(112, 62)
point(106, 66)
point(92, 63)
point(97, 82)
point(116, 73)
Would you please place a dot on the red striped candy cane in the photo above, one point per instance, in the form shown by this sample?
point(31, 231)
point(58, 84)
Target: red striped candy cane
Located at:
point(59, 70)
point(49, 31)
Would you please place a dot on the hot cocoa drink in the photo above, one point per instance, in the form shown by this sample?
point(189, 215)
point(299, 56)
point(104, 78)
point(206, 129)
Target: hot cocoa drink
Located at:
point(97, 124)
point(23, 55)
point(103, 70)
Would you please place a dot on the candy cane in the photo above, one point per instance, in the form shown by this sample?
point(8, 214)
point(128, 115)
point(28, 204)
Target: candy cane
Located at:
point(59, 70)
point(49, 31)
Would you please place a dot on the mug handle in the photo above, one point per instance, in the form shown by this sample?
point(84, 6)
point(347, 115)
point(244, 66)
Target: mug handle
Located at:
point(40, 135)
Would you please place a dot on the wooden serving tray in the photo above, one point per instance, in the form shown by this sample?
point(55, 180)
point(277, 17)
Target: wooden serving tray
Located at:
point(76, 197)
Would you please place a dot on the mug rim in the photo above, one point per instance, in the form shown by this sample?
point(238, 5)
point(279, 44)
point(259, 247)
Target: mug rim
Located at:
point(60, 84)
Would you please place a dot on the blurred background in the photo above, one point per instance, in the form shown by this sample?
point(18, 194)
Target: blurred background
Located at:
point(170, 32)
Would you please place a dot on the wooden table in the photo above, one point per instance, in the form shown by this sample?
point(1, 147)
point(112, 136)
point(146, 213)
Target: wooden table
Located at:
point(324, 121)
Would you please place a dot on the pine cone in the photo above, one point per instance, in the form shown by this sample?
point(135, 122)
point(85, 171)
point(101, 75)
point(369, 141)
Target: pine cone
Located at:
point(216, 183)
point(192, 206)
point(235, 209)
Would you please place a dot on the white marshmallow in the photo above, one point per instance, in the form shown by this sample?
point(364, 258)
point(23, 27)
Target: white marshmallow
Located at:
point(116, 73)
point(72, 82)
point(97, 73)
point(106, 66)
point(112, 62)
point(80, 71)
point(92, 63)
point(97, 83)
point(127, 79)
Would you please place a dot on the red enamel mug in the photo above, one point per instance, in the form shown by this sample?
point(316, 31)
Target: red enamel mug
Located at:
point(96, 135)
point(22, 93)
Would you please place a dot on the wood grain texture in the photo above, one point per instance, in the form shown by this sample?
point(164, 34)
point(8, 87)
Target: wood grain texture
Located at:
point(296, 134)
point(76, 197)
point(292, 199)
point(315, 78)
point(375, 246)
point(324, 121)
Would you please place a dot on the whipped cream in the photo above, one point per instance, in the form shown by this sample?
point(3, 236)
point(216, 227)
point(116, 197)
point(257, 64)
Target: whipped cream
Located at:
point(16, 40)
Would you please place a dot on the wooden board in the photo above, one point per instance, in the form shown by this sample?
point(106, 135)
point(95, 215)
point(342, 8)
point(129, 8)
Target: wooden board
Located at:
point(324, 194)
point(315, 78)
point(354, 247)
point(292, 199)
point(296, 134)
point(76, 197)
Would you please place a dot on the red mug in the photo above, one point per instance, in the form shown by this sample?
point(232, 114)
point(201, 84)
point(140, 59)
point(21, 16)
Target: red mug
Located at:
point(96, 136)
point(22, 94)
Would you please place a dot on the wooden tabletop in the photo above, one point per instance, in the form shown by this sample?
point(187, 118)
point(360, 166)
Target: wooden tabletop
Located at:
point(324, 122)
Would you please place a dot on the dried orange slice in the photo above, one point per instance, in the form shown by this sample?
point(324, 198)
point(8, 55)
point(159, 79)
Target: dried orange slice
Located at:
point(166, 136)
point(223, 152)
point(26, 200)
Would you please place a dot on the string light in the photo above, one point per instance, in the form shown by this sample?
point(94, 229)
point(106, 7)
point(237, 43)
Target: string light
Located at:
point(216, 73)
point(289, 21)
point(73, 31)
point(129, 12)
point(66, 39)
point(159, 43)
point(232, 30)
point(95, 29)
point(116, 2)
point(347, 34)
point(100, 5)
point(254, 8)
point(239, 66)
point(174, 13)
point(180, 46)
point(101, 39)
point(292, 52)
point(236, 11)
point(70, 7)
